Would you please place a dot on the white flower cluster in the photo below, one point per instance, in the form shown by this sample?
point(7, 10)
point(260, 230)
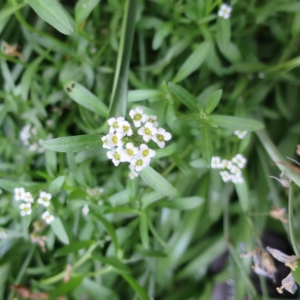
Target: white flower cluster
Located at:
point(128, 144)
point(231, 168)
point(29, 137)
point(26, 207)
point(225, 11)
point(240, 133)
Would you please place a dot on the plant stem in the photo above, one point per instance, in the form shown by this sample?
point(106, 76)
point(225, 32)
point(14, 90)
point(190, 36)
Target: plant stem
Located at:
point(291, 227)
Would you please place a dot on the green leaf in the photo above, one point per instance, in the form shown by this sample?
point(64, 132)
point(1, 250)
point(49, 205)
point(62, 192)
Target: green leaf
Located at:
point(157, 182)
point(137, 288)
point(223, 33)
point(193, 62)
point(56, 184)
point(118, 99)
point(236, 123)
point(140, 95)
point(185, 203)
point(296, 274)
point(73, 247)
point(74, 143)
point(85, 98)
point(114, 262)
point(59, 229)
point(213, 101)
point(206, 144)
point(184, 96)
point(243, 195)
point(83, 9)
point(9, 185)
point(51, 12)
point(144, 229)
point(65, 287)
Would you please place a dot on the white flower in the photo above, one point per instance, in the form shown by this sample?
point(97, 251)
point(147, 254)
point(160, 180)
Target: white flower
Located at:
point(33, 147)
point(225, 11)
point(129, 152)
point(239, 160)
point(44, 199)
point(116, 155)
point(137, 116)
point(152, 119)
point(114, 140)
point(145, 151)
point(133, 174)
point(215, 162)
point(226, 164)
point(85, 210)
point(124, 128)
point(28, 197)
point(25, 209)
point(140, 163)
point(114, 123)
point(236, 178)
point(25, 133)
point(105, 141)
point(19, 193)
point(240, 133)
point(225, 176)
point(147, 132)
point(47, 217)
point(161, 136)
point(236, 171)
point(95, 192)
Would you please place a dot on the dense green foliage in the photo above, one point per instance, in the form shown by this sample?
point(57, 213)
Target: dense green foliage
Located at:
point(204, 77)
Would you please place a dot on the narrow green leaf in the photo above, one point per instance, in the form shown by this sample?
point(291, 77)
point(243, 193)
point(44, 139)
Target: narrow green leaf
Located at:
point(65, 287)
point(185, 203)
point(236, 123)
point(56, 184)
point(74, 143)
point(73, 247)
point(9, 185)
point(51, 12)
point(144, 230)
point(193, 62)
point(243, 195)
point(157, 182)
point(59, 229)
point(223, 33)
point(118, 99)
point(213, 101)
point(85, 98)
point(114, 262)
point(83, 8)
point(188, 119)
point(140, 95)
point(206, 144)
point(137, 288)
point(184, 96)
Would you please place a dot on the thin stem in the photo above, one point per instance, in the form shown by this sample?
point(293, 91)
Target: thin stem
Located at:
point(291, 227)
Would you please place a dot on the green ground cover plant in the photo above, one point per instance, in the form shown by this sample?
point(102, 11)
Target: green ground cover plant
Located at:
point(138, 148)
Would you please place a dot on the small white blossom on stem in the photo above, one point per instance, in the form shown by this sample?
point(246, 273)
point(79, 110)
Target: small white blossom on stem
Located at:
point(289, 284)
point(225, 11)
point(95, 192)
point(225, 176)
point(19, 194)
point(239, 160)
point(240, 133)
point(116, 155)
point(152, 119)
point(105, 141)
point(145, 151)
point(216, 162)
point(114, 140)
point(137, 116)
point(85, 210)
point(44, 199)
point(140, 163)
point(129, 152)
point(161, 136)
point(147, 132)
point(132, 174)
point(236, 178)
point(25, 209)
point(47, 217)
point(28, 197)
point(226, 164)
point(236, 171)
point(124, 128)
point(114, 123)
